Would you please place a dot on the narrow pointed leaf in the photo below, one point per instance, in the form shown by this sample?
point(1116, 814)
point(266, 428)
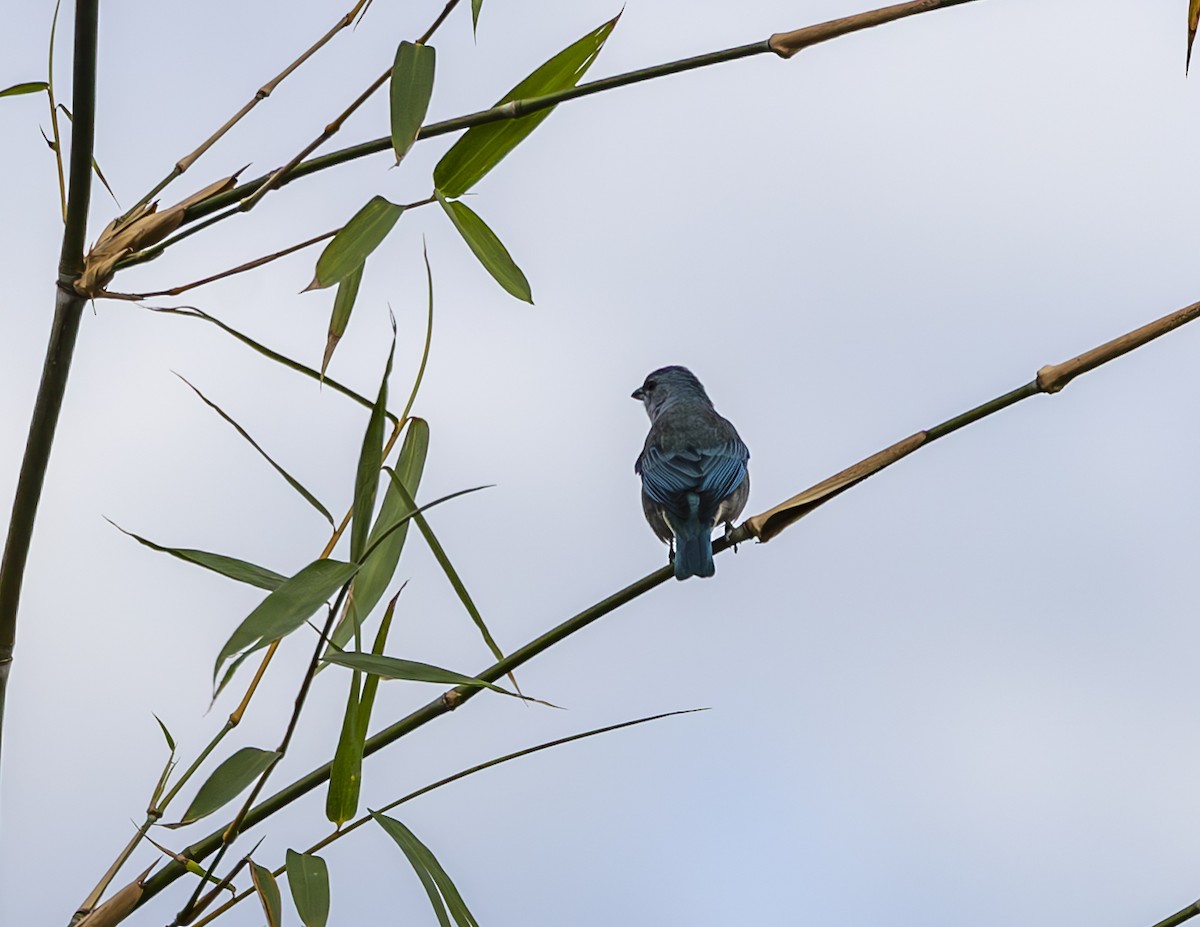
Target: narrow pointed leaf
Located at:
point(345, 773)
point(240, 570)
point(460, 589)
point(476, 6)
point(230, 672)
point(95, 164)
point(407, 842)
point(227, 781)
point(286, 608)
point(291, 480)
point(1193, 21)
point(267, 890)
point(423, 860)
point(483, 147)
point(343, 305)
point(488, 248)
point(308, 879)
point(191, 312)
point(166, 734)
point(395, 668)
point(370, 460)
point(32, 86)
point(350, 247)
point(411, 88)
point(372, 683)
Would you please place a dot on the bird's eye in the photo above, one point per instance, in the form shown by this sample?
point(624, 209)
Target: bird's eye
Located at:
point(650, 384)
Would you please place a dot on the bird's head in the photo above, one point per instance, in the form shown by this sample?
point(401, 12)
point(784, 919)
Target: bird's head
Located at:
point(667, 386)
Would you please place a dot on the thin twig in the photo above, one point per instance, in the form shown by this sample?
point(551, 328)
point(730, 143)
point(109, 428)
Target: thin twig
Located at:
point(277, 178)
point(263, 92)
point(240, 269)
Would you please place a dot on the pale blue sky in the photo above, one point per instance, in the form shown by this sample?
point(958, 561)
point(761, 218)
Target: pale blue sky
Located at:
point(962, 693)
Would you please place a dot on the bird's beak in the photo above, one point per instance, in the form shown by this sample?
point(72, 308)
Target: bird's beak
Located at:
point(638, 394)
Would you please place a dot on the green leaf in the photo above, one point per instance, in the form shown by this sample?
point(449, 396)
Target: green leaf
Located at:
point(411, 88)
point(395, 668)
point(227, 782)
point(483, 147)
point(460, 588)
point(350, 247)
point(308, 878)
point(95, 164)
point(488, 248)
point(370, 460)
point(240, 570)
point(32, 86)
point(343, 305)
point(166, 734)
point(291, 480)
point(268, 893)
point(286, 608)
point(191, 312)
point(433, 877)
point(476, 6)
point(372, 684)
point(378, 569)
point(345, 773)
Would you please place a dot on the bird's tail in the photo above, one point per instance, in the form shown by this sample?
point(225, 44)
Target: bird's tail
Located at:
point(693, 543)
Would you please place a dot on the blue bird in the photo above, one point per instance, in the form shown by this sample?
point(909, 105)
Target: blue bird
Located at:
point(693, 469)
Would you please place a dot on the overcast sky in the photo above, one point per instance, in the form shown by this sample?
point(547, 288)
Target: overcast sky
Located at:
point(963, 693)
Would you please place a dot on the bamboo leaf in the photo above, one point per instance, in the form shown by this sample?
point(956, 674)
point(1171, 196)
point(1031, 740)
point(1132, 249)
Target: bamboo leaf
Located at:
point(291, 480)
point(343, 305)
point(483, 147)
point(433, 877)
point(1193, 21)
point(379, 568)
point(268, 893)
point(460, 588)
point(308, 879)
point(372, 683)
point(406, 841)
point(227, 782)
point(411, 670)
point(166, 734)
point(411, 88)
point(488, 248)
point(345, 773)
point(191, 312)
point(95, 164)
point(350, 247)
point(370, 460)
point(240, 570)
point(476, 6)
point(286, 608)
point(31, 86)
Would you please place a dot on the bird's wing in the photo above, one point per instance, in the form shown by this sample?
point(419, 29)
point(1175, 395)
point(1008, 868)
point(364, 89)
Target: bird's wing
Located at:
point(714, 472)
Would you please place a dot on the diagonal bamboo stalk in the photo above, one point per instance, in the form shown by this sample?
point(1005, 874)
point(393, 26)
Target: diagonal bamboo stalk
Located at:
point(783, 44)
point(68, 311)
point(1049, 379)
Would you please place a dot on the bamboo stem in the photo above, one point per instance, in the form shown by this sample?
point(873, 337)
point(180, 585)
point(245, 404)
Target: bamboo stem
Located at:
point(63, 332)
point(515, 109)
point(754, 527)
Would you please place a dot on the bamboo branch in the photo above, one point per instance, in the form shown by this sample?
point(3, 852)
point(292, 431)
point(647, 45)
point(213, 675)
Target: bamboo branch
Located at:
point(764, 526)
point(63, 331)
point(263, 92)
point(782, 44)
point(276, 179)
point(1185, 914)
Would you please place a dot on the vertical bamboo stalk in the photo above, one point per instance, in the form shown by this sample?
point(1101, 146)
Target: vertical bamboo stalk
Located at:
point(68, 310)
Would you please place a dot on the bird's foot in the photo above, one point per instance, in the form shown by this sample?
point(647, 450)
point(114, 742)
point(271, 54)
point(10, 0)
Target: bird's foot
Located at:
point(728, 532)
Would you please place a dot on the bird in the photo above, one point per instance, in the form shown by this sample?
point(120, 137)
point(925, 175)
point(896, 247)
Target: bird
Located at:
point(693, 468)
